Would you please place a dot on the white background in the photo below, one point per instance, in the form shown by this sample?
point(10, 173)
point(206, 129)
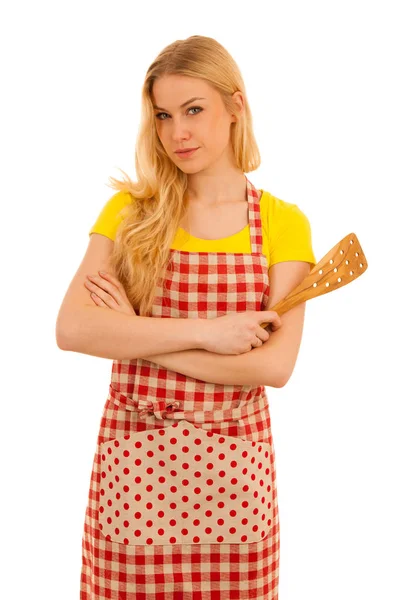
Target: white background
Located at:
point(323, 85)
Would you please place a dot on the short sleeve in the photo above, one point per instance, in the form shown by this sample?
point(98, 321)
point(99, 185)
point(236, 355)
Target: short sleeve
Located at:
point(111, 215)
point(289, 233)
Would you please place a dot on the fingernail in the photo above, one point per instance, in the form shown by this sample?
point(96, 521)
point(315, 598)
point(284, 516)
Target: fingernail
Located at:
point(102, 273)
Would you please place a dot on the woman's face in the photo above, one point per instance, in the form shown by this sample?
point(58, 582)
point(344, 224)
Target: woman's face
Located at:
point(202, 123)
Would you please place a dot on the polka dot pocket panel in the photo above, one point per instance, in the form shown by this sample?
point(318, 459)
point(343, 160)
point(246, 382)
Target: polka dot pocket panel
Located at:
point(182, 484)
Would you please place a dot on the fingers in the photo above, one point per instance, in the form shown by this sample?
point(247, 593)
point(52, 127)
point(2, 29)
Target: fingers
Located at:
point(103, 289)
point(272, 318)
point(97, 300)
point(262, 334)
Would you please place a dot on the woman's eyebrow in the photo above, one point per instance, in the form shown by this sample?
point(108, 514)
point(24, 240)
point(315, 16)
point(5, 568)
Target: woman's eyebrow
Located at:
point(182, 105)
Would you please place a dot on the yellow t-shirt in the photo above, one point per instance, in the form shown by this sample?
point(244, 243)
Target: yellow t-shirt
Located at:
point(286, 231)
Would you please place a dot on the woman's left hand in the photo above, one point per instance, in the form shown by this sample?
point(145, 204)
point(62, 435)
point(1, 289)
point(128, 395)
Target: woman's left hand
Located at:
point(108, 291)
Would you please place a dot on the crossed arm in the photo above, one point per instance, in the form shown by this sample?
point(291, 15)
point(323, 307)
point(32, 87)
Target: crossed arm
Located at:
point(272, 363)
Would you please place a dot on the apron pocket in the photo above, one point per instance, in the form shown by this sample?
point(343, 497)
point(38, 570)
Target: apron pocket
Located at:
point(182, 484)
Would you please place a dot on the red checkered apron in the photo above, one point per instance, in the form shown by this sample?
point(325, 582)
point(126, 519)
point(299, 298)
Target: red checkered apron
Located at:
point(183, 500)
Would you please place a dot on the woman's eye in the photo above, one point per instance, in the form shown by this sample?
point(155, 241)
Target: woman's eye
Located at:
point(192, 108)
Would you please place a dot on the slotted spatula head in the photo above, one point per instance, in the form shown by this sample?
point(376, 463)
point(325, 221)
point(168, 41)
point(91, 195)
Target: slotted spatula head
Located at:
point(341, 265)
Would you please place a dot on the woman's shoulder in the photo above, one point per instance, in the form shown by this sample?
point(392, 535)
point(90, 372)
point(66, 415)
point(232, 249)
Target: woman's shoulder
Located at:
point(111, 214)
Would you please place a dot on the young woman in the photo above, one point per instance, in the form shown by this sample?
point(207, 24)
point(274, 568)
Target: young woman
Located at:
point(183, 495)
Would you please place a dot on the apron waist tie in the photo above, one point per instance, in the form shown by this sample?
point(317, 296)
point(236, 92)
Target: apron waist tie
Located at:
point(166, 409)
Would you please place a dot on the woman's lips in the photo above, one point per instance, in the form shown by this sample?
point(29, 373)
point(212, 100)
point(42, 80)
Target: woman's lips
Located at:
point(186, 154)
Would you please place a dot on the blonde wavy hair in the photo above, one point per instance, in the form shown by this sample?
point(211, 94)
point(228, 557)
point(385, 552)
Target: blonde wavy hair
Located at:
point(141, 251)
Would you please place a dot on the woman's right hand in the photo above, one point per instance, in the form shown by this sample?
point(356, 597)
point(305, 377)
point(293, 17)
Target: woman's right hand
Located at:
point(236, 333)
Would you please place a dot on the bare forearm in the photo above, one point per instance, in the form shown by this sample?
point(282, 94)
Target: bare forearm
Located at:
point(106, 333)
point(227, 369)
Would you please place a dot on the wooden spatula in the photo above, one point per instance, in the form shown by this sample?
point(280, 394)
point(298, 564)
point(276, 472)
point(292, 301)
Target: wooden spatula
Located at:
point(340, 266)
